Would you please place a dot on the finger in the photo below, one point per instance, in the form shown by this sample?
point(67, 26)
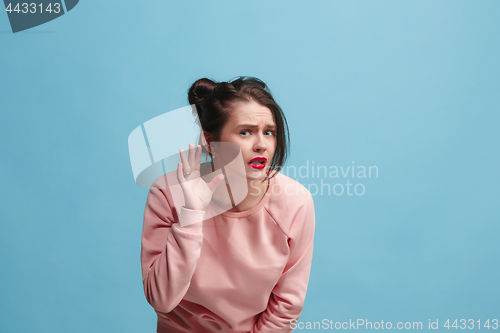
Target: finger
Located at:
point(185, 164)
point(191, 156)
point(215, 182)
point(180, 174)
point(197, 159)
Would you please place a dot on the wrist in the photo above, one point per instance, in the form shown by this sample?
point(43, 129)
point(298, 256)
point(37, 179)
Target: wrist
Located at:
point(192, 207)
point(190, 216)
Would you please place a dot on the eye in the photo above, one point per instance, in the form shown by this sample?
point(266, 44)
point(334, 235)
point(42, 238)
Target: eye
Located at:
point(270, 133)
point(245, 131)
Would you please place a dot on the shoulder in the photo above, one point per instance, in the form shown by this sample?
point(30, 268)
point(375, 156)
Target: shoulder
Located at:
point(288, 201)
point(286, 189)
point(160, 196)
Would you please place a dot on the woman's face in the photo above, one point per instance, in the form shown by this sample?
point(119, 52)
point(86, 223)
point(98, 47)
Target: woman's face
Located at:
point(251, 126)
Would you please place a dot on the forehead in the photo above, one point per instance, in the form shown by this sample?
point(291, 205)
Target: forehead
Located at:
point(251, 113)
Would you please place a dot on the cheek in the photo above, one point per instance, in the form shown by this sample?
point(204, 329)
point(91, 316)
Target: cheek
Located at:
point(274, 144)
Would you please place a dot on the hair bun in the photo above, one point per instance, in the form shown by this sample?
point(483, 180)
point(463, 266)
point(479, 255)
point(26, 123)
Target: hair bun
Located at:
point(200, 90)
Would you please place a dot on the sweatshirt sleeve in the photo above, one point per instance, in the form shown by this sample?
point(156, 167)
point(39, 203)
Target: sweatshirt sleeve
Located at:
point(287, 298)
point(169, 250)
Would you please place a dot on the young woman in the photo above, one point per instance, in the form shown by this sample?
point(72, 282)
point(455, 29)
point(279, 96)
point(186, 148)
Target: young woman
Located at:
point(247, 268)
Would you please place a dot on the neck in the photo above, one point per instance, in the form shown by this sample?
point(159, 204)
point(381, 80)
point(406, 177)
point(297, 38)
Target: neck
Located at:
point(256, 191)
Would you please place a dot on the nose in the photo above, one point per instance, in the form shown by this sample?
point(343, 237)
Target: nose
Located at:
point(259, 144)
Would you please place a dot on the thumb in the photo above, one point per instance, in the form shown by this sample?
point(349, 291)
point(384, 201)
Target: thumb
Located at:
point(215, 182)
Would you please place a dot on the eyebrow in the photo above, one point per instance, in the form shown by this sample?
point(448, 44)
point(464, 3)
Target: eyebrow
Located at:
point(254, 126)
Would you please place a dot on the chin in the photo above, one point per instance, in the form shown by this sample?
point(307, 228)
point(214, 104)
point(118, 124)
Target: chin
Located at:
point(257, 175)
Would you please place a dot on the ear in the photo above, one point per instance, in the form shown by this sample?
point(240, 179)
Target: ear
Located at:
point(205, 140)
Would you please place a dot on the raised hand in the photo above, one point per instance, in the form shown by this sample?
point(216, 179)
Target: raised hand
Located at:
point(197, 193)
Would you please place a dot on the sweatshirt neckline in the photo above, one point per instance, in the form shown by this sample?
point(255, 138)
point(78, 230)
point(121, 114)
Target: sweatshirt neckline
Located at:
point(262, 202)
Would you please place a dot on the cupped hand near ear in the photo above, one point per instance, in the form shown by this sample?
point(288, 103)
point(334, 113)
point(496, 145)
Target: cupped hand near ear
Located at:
point(197, 193)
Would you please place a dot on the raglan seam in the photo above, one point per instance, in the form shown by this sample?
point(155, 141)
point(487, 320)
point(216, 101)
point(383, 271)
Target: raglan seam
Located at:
point(276, 222)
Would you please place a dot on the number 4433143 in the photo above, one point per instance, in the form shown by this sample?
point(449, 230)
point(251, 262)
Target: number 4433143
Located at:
point(33, 8)
point(470, 323)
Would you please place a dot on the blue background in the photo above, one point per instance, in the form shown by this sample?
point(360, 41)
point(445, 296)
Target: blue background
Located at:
point(408, 86)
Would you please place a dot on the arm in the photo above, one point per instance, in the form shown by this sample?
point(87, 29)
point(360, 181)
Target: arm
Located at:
point(287, 297)
point(169, 250)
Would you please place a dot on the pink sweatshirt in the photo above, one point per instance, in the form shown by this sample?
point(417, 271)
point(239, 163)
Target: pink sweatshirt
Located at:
point(235, 272)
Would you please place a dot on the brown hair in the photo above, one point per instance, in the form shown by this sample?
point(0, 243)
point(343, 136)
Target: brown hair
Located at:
point(215, 101)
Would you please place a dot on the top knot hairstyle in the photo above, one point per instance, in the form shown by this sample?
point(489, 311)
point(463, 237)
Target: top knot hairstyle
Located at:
point(215, 101)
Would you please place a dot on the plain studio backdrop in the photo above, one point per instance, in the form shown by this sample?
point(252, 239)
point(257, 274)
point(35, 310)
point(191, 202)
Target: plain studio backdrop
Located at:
point(409, 88)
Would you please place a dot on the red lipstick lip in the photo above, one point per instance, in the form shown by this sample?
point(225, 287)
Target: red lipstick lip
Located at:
point(258, 159)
